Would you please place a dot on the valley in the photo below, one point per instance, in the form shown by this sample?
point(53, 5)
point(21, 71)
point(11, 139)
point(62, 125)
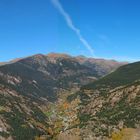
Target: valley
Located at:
point(59, 97)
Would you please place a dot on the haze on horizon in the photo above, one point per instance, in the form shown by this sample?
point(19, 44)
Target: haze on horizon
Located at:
point(94, 28)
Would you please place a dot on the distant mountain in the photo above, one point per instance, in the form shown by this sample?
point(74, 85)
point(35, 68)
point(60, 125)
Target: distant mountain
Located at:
point(100, 66)
point(45, 75)
point(10, 62)
point(32, 86)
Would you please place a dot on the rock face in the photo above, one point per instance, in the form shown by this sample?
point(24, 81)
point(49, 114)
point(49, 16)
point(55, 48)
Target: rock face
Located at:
point(34, 90)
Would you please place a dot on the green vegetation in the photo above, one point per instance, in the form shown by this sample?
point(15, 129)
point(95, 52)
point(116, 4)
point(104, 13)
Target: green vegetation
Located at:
point(4, 134)
point(122, 76)
point(20, 128)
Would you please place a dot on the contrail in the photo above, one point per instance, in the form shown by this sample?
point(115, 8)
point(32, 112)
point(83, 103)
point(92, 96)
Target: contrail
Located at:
point(69, 22)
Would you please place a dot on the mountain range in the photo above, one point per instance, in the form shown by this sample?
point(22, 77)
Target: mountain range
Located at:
point(58, 96)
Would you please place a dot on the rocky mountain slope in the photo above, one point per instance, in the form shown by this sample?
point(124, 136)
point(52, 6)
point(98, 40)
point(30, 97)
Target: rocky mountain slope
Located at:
point(34, 90)
point(20, 117)
point(110, 107)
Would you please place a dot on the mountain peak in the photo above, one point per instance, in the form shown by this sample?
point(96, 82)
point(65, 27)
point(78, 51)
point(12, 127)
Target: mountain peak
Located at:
point(58, 55)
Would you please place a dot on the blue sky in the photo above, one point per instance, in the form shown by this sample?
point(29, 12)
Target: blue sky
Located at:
point(110, 27)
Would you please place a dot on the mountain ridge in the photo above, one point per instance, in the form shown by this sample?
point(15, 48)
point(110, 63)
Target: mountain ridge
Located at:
point(34, 90)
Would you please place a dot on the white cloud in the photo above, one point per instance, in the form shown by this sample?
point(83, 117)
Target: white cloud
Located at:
point(70, 24)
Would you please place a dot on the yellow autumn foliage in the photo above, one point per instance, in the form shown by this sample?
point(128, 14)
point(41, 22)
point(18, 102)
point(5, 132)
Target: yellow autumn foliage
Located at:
point(124, 134)
point(50, 131)
point(65, 105)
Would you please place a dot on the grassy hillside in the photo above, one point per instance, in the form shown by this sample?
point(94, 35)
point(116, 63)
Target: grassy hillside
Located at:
point(122, 76)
